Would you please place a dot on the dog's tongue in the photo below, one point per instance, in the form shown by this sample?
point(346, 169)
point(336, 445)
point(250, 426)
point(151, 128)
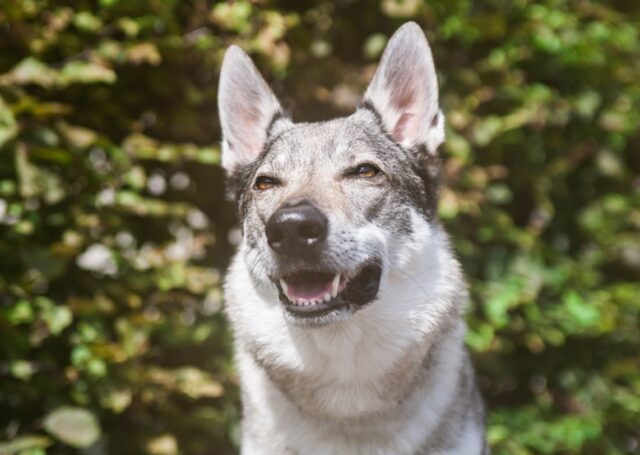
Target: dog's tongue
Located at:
point(308, 285)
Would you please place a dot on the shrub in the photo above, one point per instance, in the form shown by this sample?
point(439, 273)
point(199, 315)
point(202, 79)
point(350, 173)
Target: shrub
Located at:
point(114, 232)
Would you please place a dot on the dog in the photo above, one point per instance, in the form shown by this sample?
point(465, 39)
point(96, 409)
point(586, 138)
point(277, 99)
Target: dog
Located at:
point(344, 297)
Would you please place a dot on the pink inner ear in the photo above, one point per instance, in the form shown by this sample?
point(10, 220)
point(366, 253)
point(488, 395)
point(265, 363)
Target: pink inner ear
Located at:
point(404, 128)
point(404, 99)
point(249, 131)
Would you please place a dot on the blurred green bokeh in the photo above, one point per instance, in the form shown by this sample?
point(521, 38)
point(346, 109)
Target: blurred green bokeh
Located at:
point(114, 232)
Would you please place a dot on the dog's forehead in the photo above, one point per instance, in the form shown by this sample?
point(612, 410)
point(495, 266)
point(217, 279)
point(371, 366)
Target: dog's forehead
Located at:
point(334, 142)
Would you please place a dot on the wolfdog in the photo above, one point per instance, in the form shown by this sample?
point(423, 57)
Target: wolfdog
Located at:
point(344, 297)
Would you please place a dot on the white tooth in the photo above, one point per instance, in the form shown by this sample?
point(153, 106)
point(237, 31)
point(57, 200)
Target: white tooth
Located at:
point(335, 285)
point(285, 288)
point(327, 297)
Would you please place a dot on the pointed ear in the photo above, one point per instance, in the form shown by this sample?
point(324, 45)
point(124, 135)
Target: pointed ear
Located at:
point(404, 90)
point(247, 108)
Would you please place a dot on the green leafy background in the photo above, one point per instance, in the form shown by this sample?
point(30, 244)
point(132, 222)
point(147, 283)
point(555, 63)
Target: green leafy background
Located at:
point(114, 231)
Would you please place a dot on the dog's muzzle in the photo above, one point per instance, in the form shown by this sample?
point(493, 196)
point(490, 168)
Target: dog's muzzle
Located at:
point(297, 233)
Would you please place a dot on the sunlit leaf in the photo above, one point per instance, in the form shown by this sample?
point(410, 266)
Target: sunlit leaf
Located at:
point(25, 444)
point(8, 125)
point(74, 426)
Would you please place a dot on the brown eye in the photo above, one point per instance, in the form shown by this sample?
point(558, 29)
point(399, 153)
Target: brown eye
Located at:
point(366, 170)
point(264, 183)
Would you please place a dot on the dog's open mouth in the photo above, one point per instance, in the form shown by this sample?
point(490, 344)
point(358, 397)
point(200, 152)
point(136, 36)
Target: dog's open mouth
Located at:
point(313, 294)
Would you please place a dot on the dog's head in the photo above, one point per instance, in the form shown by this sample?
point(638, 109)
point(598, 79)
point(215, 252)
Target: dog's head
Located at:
point(327, 207)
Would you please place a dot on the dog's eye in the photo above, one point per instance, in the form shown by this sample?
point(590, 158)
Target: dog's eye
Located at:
point(264, 183)
point(366, 170)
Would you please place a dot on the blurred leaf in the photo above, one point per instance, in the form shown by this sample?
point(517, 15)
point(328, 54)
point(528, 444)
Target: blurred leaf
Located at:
point(374, 45)
point(29, 71)
point(37, 182)
point(55, 316)
point(232, 16)
point(165, 444)
point(33, 71)
point(581, 312)
point(85, 73)
point(400, 8)
point(21, 369)
point(25, 444)
point(86, 21)
point(188, 380)
point(74, 426)
point(77, 136)
point(144, 53)
point(8, 125)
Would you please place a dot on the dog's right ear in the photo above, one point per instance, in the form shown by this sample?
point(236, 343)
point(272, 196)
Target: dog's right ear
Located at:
point(247, 109)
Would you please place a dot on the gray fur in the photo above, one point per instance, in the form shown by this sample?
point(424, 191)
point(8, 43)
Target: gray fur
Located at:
point(392, 377)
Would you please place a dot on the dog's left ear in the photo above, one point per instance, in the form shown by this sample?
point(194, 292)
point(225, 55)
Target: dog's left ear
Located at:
point(404, 91)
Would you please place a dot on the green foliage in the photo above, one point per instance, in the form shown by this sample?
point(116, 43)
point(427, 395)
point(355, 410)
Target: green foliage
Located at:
point(114, 232)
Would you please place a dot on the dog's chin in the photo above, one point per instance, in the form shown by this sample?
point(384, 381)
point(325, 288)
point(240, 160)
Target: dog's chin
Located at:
point(316, 297)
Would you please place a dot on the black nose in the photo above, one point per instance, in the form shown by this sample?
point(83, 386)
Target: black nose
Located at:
point(296, 228)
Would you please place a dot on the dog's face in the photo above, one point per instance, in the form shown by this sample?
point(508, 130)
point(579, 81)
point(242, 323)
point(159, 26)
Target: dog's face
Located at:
point(327, 207)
